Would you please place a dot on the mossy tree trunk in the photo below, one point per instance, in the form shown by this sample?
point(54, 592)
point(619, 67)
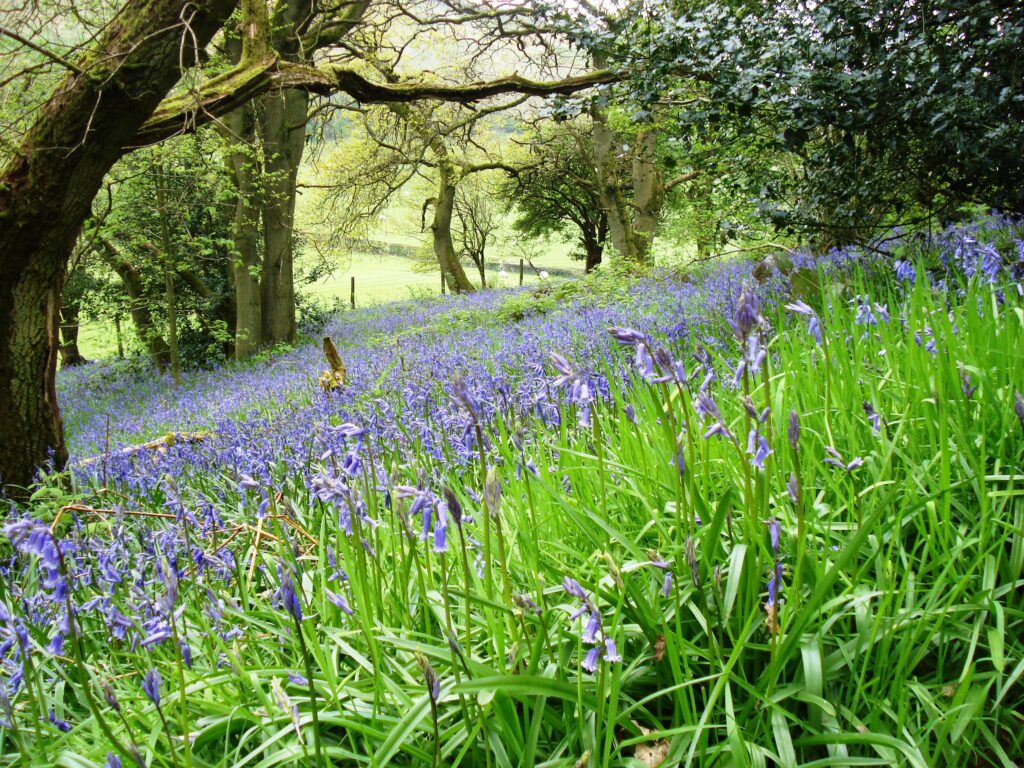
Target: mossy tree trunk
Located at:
point(245, 263)
point(46, 191)
point(284, 138)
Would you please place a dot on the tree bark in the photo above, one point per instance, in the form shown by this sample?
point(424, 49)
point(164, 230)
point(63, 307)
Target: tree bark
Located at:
point(46, 191)
point(441, 228)
point(69, 352)
point(145, 327)
point(648, 194)
point(284, 138)
point(245, 263)
point(609, 187)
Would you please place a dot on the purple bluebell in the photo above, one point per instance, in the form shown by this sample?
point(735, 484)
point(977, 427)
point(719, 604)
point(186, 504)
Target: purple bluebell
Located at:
point(337, 599)
point(589, 662)
point(611, 651)
point(774, 531)
point(113, 761)
point(836, 460)
point(62, 725)
point(761, 452)
point(151, 683)
point(905, 271)
point(793, 432)
point(297, 679)
point(441, 528)
point(287, 593)
point(747, 314)
point(1018, 407)
point(873, 417)
point(573, 588)
point(592, 627)
point(627, 336)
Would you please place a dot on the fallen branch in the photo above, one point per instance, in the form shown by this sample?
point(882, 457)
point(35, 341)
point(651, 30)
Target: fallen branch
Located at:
point(160, 444)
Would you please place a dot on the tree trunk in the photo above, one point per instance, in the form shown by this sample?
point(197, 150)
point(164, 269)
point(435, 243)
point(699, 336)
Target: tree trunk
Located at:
point(609, 188)
point(284, 137)
point(166, 257)
point(245, 264)
point(593, 249)
point(46, 191)
point(441, 228)
point(69, 353)
point(145, 327)
point(648, 194)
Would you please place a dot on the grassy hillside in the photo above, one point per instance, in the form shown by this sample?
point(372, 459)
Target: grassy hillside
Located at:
point(712, 519)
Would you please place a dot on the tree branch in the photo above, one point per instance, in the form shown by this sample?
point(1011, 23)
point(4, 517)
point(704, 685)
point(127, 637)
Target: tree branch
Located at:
point(226, 92)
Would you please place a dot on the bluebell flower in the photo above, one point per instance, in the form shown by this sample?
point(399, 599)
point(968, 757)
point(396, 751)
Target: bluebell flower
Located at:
point(905, 271)
point(62, 725)
point(340, 602)
point(873, 417)
point(793, 432)
point(611, 651)
point(151, 683)
point(836, 460)
point(289, 597)
point(113, 761)
point(441, 528)
point(590, 661)
point(627, 336)
point(297, 679)
point(774, 532)
point(757, 446)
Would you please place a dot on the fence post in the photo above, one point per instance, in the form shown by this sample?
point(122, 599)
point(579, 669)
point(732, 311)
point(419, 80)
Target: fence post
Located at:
point(353, 294)
point(520, 271)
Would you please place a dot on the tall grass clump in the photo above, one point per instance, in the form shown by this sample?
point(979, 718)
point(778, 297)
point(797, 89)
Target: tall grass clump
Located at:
point(774, 523)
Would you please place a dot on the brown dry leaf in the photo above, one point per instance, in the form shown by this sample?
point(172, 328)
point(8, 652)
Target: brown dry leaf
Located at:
point(651, 754)
point(659, 648)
